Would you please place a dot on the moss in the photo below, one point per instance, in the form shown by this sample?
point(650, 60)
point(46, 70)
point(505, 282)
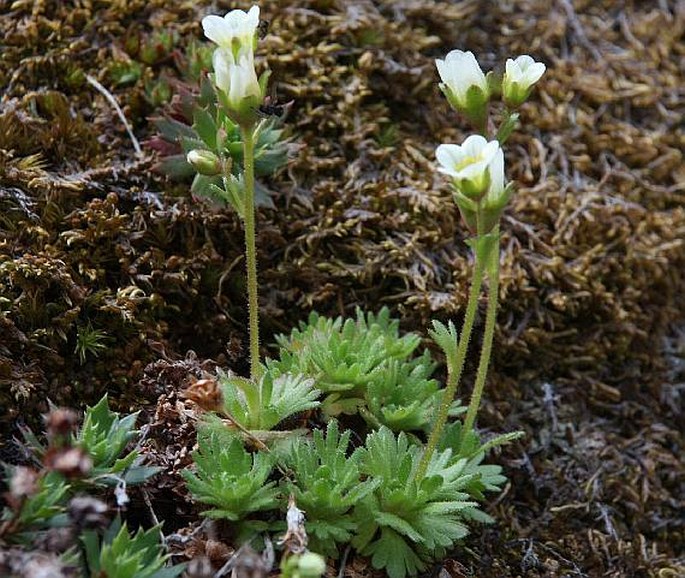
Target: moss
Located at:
point(593, 261)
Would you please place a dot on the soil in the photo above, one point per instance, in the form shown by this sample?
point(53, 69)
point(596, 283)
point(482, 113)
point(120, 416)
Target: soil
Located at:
point(99, 245)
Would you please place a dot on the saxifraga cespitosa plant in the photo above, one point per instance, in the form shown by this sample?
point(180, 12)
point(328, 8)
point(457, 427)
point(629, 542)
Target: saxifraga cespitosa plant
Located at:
point(46, 502)
point(240, 95)
point(476, 170)
point(393, 498)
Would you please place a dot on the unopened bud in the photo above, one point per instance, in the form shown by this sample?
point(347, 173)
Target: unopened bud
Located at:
point(520, 76)
point(204, 162)
point(311, 565)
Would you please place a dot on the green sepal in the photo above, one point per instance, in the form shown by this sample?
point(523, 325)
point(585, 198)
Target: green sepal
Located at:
point(263, 81)
point(468, 209)
point(492, 208)
point(494, 81)
point(474, 190)
point(515, 94)
point(476, 107)
point(452, 99)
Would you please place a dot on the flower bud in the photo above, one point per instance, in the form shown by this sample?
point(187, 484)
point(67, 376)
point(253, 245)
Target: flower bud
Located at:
point(311, 565)
point(519, 77)
point(464, 85)
point(204, 162)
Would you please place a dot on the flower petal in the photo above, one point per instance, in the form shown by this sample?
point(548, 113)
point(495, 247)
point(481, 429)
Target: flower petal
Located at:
point(217, 30)
point(534, 73)
point(449, 156)
point(496, 174)
point(474, 144)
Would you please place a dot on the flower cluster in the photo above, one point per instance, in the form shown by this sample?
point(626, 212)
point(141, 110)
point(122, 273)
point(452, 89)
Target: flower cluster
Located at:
point(469, 90)
point(234, 71)
point(476, 167)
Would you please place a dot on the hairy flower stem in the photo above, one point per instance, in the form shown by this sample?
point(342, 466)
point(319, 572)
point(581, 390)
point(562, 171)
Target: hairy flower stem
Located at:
point(251, 251)
point(455, 371)
point(492, 268)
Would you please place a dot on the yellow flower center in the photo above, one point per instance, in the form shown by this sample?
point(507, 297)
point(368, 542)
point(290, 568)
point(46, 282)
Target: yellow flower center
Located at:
point(468, 161)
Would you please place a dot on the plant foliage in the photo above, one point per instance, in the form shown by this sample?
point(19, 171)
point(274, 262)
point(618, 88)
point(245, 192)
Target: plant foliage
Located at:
point(364, 365)
point(198, 123)
point(326, 486)
point(405, 522)
point(118, 554)
point(274, 398)
point(49, 501)
point(231, 479)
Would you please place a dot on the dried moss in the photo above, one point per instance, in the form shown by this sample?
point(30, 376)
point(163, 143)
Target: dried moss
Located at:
point(593, 261)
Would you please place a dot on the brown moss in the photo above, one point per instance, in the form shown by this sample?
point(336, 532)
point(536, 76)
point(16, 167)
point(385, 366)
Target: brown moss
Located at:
point(593, 260)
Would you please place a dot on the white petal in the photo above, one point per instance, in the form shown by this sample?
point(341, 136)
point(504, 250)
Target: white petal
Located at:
point(512, 72)
point(449, 156)
point(474, 171)
point(460, 71)
point(471, 70)
point(253, 16)
point(473, 145)
point(222, 61)
point(489, 151)
point(217, 30)
point(244, 81)
point(534, 73)
point(243, 24)
point(443, 70)
point(497, 174)
point(524, 61)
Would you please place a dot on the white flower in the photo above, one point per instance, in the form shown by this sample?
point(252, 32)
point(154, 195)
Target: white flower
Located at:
point(519, 77)
point(237, 79)
point(477, 170)
point(472, 165)
point(465, 86)
point(235, 30)
point(460, 71)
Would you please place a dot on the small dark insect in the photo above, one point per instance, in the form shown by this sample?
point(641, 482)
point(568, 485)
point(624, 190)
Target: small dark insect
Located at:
point(271, 107)
point(262, 28)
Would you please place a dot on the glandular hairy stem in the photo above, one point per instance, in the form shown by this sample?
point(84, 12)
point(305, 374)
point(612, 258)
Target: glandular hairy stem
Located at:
point(454, 370)
point(251, 252)
point(492, 269)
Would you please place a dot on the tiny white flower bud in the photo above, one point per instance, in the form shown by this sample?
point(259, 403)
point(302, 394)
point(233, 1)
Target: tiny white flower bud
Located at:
point(519, 77)
point(311, 565)
point(204, 162)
